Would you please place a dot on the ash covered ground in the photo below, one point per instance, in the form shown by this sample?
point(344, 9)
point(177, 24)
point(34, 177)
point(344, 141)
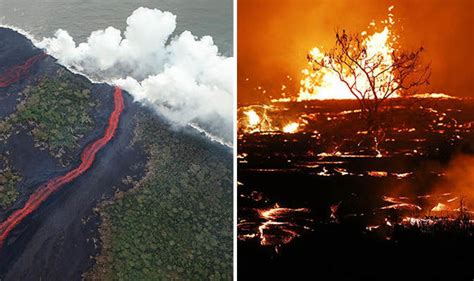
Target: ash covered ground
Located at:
point(47, 118)
point(323, 198)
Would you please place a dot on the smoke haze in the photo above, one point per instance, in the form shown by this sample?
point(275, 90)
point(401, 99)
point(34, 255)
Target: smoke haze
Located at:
point(459, 178)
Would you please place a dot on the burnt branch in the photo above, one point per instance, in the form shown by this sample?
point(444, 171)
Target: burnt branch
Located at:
point(372, 78)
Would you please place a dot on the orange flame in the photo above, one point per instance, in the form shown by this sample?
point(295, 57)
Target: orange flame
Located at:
point(258, 119)
point(253, 118)
point(291, 128)
point(325, 84)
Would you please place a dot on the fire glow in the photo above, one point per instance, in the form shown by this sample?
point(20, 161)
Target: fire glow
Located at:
point(256, 119)
point(253, 118)
point(291, 128)
point(325, 84)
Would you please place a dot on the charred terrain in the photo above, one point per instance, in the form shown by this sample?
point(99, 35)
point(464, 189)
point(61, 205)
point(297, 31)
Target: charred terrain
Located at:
point(94, 185)
point(320, 196)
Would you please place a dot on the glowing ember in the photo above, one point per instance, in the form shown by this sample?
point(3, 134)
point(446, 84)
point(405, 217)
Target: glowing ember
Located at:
point(334, 208)
point(275, 226)
point(452, 199)
point(278, 212)
point(441, 208)
point(377, 174)
point(402, 175)
point(268, 120)
point(433, 96)
point(255, 119)
point(402, 206)
point(393, 199)
point(275, 234)
point(291, 128)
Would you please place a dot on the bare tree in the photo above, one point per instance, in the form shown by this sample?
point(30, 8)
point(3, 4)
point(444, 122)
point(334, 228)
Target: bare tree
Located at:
point(373, 78)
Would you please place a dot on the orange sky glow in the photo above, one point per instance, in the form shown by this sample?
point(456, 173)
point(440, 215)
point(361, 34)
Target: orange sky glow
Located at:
point(274, 37)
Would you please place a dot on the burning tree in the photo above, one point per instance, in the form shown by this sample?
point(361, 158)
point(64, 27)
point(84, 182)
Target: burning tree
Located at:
point(371, 69)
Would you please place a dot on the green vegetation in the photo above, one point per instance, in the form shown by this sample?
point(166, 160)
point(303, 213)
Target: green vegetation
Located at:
point(8, 181)
point(56, 113)
point(56, 110)
point(176, 224)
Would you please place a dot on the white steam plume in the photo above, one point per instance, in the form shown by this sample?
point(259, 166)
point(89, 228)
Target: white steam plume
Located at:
point(184, 78)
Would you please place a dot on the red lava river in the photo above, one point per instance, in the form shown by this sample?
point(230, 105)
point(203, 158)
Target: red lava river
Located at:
point(15, 73)
point(87, 158)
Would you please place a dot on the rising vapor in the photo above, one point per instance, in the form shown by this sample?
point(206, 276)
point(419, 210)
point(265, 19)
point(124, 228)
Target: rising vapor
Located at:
point(184, 78)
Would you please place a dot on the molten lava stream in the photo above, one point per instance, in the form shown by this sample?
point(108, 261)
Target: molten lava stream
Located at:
point(15, 73)
point(87, 158)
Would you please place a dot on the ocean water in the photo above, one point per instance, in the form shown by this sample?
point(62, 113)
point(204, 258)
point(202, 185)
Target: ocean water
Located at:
point(80, 17)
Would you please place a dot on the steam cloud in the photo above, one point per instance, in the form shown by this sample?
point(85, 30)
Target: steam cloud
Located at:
point(183, 77)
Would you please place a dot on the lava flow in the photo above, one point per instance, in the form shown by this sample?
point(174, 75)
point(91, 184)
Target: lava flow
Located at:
point(275, 226)
point(15, 73)
point(87, 158)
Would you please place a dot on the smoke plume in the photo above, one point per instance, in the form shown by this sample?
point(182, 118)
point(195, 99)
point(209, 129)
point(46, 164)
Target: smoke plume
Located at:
point(183, 77)
point(459, 178)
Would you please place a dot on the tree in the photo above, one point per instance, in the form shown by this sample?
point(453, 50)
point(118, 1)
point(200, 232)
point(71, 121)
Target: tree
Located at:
point(373, 75)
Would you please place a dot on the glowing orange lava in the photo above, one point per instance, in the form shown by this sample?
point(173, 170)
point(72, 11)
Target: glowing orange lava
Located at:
point(291, 128)
point(276, 226)
point(257, 119)
point(440, 207)
point(253, 118)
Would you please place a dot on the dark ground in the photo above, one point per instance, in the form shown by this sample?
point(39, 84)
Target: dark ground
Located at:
point(346, 251)
point(286, 169)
